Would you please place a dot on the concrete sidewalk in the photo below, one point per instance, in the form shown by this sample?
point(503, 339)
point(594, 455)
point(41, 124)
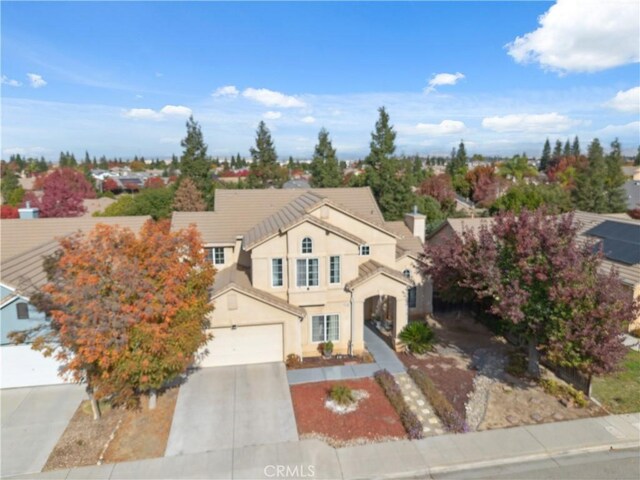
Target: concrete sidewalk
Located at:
point(445, 453)
point(384, 358)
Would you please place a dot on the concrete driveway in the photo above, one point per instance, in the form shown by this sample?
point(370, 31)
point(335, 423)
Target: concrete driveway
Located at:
point(32, 421)
point(228, 407)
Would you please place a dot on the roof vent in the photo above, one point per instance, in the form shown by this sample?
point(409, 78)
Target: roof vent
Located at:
point(28, 212)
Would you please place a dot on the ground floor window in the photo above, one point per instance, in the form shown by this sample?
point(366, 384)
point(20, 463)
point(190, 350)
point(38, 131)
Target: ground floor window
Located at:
point(325, 328)
point(412, 297)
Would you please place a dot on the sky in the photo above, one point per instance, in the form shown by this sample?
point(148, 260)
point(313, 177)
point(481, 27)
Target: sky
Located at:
point(121, 78)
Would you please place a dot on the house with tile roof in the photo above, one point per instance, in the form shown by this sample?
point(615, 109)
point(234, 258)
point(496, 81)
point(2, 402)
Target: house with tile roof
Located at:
point(25, 243)
point(619, 237)
point(300, 267)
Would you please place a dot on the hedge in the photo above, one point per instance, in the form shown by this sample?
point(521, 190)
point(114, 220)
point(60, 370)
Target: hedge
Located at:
point(443, 408)
point(409, 420)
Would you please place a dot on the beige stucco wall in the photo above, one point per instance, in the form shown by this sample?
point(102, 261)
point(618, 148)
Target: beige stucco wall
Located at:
point(423, 287)
point(236, 308)
point(636, 295)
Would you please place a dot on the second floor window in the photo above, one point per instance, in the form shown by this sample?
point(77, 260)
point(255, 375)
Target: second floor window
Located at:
point(364, 250)
point(276, 272)
point(307, 245)
point(334, 269)
point(218, 256)
point(308, 275)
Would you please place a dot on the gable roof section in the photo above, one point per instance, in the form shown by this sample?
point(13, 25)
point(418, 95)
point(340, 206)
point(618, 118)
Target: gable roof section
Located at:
point(19, 236)
point(371, 269)
point(237, 278)
point(24, 273)
point(408, 243)
point(238, 211)
point(291, 215)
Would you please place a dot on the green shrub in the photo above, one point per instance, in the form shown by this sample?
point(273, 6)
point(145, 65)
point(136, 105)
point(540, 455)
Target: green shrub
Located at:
point(341, 394)
point(417, 337)
point(451, 419)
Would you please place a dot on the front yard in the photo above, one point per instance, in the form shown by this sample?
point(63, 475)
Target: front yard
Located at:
point(374, 418)
point(619, 392)
point(137, 434)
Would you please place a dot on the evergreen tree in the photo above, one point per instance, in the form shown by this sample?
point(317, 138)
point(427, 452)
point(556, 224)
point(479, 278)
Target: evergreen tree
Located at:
point(590, 194)
point(575, 147)
point(557, 150)
point(567, 149)
point(325, 169)
point(382, 171)
point(8, 184)
point(545, 159)
point(636, 161)
point(458, 164)
point(615, 179)
point(265, 170)
point(194, 163)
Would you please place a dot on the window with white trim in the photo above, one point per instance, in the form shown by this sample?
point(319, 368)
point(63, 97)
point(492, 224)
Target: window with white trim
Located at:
point(407, 273)
point(218, 256)
point(307, 245)
point(308, 274)
point(276, 272)
point(325, 328)
point(364, 250)
point(334, 269)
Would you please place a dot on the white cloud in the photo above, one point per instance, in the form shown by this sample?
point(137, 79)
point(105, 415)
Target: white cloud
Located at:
point(443, 79)
point(582, 36)
point(164, 112)
point(271, 115)
point(10, 82)
point(226, 91)
point(36, 80)
point(308, 119)
point(523, 122)
point(631, 128)
point(626, 100)
point(271, 98)
point(445, 127)
point(176, 111)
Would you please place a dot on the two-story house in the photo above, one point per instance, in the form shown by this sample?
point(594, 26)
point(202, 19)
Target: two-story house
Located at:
point(297, 268)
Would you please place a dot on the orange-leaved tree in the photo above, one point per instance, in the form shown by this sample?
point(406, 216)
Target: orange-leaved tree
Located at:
point(128, 312)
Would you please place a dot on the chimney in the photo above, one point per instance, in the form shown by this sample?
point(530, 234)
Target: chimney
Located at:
point(416, 223)
point(28, 212)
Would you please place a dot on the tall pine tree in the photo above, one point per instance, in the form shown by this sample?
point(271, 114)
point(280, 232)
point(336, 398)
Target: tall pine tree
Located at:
point(194, 163)
point(325, 168)
point(575, 147)
point(616, 196)
point(590, 194)
point(546, 156)
point(382, 171)
point(265, 170)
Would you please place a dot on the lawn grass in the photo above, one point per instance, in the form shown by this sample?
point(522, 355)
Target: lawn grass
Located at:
point(620, 391)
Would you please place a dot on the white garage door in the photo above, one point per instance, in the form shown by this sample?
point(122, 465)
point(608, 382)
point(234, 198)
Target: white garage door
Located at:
point(244, 345)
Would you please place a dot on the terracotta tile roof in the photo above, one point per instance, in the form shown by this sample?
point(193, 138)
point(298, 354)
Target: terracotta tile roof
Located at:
point(18, 236)
point(237, 278)
point(238, 211)
point(372, 268)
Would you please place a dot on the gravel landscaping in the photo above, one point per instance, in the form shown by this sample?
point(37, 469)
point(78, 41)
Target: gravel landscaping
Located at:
point(374, 420)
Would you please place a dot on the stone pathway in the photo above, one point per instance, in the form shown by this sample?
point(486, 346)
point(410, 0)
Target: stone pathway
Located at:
point(419, 405)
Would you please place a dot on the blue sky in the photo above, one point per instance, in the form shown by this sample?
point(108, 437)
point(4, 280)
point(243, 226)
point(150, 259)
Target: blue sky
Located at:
point(121, 78)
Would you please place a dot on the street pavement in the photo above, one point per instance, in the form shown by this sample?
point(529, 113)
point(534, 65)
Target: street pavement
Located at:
point(33, 419)
point(229, 407)
point(550, 445)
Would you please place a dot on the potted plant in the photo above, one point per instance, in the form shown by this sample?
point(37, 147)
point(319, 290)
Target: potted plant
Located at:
point(327, 349)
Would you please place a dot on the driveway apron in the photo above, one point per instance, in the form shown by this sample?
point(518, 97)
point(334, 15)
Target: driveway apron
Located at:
point(232, 407)
point(33, 419)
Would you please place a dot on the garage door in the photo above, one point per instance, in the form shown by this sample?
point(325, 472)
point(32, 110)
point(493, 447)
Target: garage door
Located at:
point(244, 345)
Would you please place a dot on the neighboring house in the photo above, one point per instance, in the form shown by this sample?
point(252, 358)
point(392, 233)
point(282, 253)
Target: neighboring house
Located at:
point(297, 268)
point(632, 190)
point(296, 183)
point(25, 243)
point(619, 237)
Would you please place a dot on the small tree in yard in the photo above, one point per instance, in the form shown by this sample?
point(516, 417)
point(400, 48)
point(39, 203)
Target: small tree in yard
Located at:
point(531, 272)
point(188, 198)
point(128, 312)
point(64, 190)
